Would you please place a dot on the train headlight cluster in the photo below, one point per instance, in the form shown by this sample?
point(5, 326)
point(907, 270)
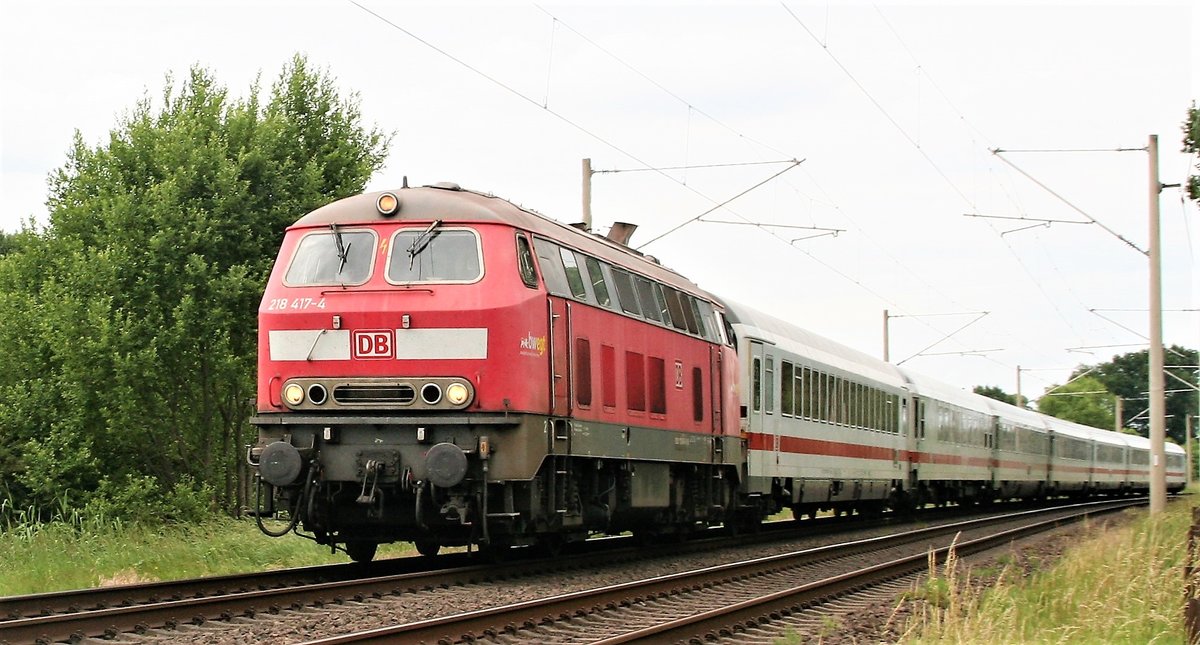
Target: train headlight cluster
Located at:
point(423, 393)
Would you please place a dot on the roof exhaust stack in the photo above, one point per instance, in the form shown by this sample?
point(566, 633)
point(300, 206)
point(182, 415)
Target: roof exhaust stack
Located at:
point(621, 232)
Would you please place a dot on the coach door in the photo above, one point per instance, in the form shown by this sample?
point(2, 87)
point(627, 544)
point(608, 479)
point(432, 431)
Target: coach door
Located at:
point(560, 358)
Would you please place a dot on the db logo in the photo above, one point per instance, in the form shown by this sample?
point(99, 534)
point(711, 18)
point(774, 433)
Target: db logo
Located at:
point(373, 343)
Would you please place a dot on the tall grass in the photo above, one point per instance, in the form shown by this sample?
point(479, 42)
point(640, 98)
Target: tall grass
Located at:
point(1124, 585)
point(72, 551)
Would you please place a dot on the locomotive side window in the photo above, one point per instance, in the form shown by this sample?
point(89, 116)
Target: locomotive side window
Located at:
point(599, 286)
point(525, 263)
point(697, 395)
point(434, 255)
point(552, 267)
point(608, 377)
point(635, 382)
point(583, 372)
point(332, 257)
point(625, 292)
point(646, 297)
point(663, 310)
point(705, 329)
point(574, 277)
point(657, 375)
point(678, 315)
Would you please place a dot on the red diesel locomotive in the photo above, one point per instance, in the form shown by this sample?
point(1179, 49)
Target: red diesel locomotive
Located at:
point(422, 377)
point(444, 367)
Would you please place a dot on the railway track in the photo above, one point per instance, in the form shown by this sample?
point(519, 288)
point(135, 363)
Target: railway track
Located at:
point(106, 613)
point(724, 601)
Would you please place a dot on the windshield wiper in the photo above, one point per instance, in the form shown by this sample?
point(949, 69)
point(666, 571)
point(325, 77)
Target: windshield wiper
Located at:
point(421, 242)
point(342, 248)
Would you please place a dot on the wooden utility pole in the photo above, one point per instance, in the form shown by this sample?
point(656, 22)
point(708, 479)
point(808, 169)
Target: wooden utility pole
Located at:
point(1158, 411)
point(1118, 413)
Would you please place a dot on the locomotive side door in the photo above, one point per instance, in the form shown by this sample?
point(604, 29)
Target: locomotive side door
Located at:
point(560, 356)
point(761, 444)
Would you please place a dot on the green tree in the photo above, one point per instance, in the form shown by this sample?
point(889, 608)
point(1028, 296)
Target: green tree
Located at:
point(130, 321)
point(1191, 143)
point(995, 392)
point(1084, 400)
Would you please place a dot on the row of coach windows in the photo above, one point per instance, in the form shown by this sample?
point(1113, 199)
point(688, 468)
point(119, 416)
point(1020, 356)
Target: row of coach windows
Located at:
point(806, 393)
point(645, 381)
point(1071, 448)
point(964, 427)
point(1110, 454)
point(572, 274)
point(1021, 439)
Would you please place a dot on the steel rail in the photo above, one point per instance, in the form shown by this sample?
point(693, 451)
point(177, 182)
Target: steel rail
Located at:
point(473, 625)
point(109, 611)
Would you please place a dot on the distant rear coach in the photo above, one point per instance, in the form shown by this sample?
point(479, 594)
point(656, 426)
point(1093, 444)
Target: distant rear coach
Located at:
point(444, 367)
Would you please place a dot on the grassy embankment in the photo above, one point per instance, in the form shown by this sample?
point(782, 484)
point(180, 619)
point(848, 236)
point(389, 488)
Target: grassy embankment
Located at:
point(73, 553)
point(1122, 585)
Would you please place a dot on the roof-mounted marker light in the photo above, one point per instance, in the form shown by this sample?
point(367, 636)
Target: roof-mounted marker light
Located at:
point(387, 204)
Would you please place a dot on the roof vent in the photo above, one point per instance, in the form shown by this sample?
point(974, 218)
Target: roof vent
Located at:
point(447, 185)
point(621, 232)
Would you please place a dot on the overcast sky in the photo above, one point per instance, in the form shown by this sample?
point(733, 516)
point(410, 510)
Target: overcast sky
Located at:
point(892, 107)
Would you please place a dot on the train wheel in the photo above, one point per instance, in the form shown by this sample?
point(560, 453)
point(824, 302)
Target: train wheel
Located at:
point(361, 551)
point(427, 548)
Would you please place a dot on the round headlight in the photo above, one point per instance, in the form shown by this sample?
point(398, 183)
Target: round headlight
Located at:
point(387, 204)
point(457, 394)
point(317, 394)
point(431, 393)
point(293, 394)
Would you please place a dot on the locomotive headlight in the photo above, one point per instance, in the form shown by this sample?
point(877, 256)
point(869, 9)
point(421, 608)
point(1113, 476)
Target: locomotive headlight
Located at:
point(457, 394)
point(387, 204)
point(293, 394)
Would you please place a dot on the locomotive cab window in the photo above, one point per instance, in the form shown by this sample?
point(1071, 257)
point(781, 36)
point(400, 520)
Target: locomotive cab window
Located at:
point(525, 263)
point(332, 257)
point(435, 254)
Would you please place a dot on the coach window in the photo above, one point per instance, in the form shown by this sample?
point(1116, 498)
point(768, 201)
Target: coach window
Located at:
point(770, 385)
point(574, 277)
point(434, 255)
point(596, 276)
point(583, 372)
point(756, 384)
point(646, 296)
point(525, 262)
point(626, 293)
point(786, 380)
point(340, 257)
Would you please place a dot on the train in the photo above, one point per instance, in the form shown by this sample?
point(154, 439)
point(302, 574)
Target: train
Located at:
point(444, 367)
